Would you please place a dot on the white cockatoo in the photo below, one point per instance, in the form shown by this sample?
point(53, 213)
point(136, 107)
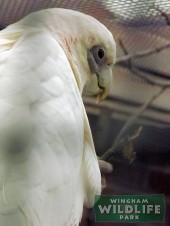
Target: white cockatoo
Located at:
point(48, 164)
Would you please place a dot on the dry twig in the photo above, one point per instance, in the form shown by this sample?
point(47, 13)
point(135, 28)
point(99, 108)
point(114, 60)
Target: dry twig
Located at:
point(124, 145)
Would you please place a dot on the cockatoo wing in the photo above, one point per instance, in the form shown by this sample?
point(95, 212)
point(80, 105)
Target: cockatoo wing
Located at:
point(48, 165)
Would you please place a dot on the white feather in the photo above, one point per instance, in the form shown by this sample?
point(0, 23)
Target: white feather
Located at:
point(48, 164)
point(38, 91)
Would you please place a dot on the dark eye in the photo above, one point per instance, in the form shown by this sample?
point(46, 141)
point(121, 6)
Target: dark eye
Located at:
point(98, 53)
point(101, 53)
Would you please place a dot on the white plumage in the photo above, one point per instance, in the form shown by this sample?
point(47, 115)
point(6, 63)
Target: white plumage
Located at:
point(48, 165)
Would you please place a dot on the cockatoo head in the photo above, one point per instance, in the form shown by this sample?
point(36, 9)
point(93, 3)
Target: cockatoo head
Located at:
point(88, 44)
point(91, 50)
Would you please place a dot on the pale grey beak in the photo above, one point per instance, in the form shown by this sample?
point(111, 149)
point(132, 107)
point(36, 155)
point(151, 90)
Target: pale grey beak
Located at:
point(104, 82)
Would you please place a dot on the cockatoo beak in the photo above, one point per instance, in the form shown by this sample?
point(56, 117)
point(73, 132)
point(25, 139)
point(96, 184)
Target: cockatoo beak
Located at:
point(104, 82)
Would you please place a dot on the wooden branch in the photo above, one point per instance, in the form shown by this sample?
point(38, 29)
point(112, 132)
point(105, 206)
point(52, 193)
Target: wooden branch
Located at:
point(119, 140)
point(126, 58)
point(122, 46)
point(128, 62)
point(138, 113)
point(153, 81)
point(124, 145)
point(165, 15)
point(126, 140)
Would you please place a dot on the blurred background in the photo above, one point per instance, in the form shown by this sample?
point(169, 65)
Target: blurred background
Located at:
point(140, 93)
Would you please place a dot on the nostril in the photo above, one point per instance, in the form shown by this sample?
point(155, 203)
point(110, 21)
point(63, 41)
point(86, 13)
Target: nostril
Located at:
point(109, 64)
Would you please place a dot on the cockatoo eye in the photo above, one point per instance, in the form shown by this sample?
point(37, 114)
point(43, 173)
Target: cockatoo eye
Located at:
point(99, 54)
point(96, 58)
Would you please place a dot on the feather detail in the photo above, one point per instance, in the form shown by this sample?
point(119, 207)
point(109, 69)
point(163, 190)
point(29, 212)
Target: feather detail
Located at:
point(30, 215)
point(91, 171)
point(8, 38)
point(77, 209)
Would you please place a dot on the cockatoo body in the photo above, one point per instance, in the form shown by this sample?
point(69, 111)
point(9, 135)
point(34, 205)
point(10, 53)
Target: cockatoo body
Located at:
point(48, 164)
